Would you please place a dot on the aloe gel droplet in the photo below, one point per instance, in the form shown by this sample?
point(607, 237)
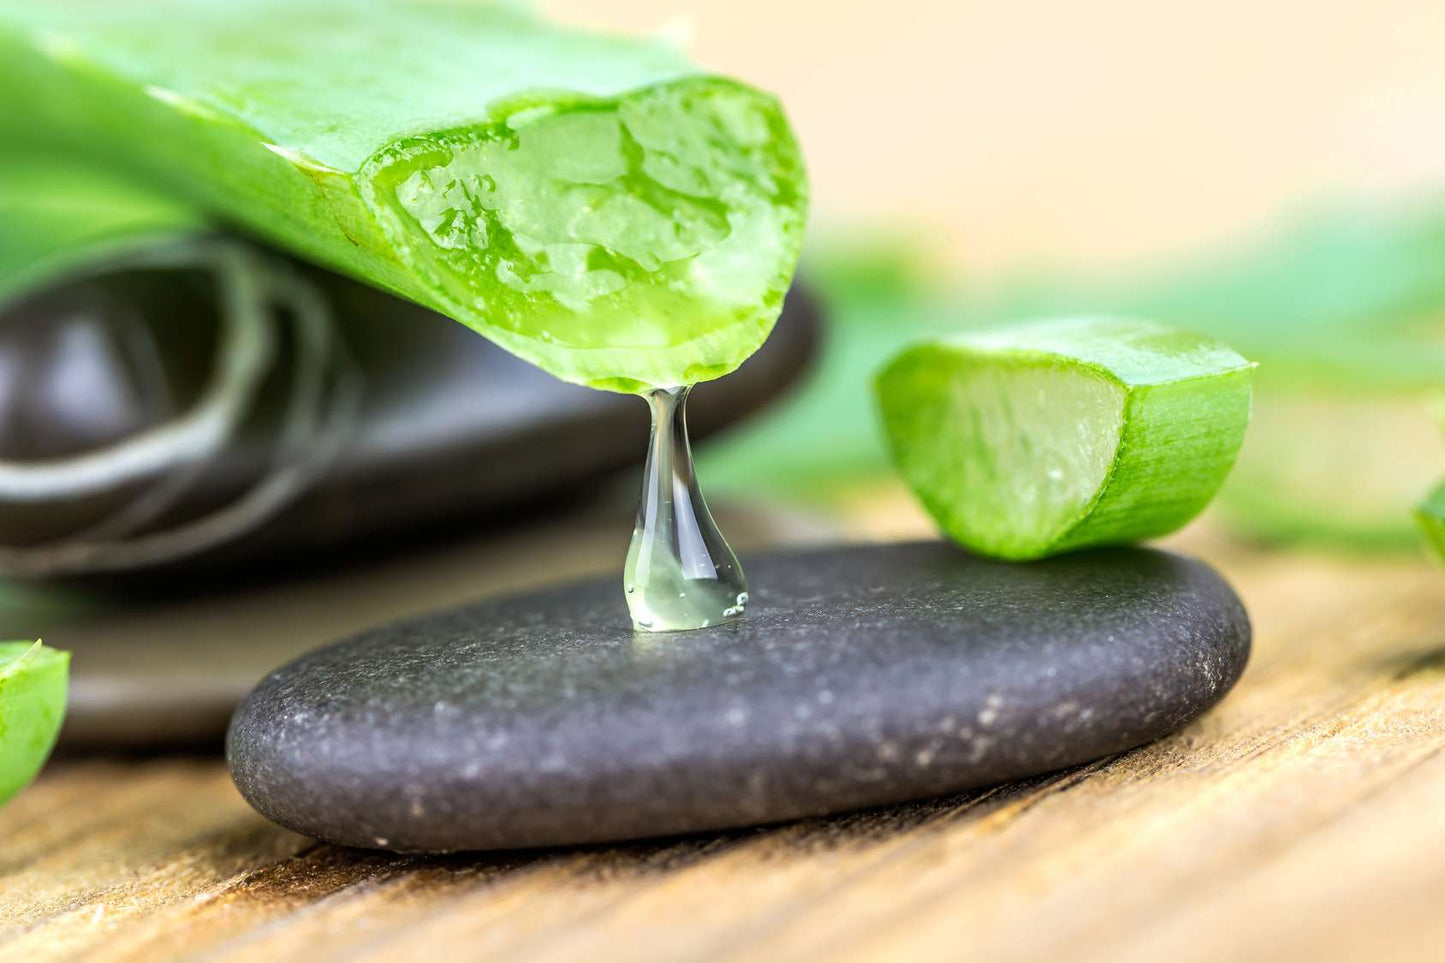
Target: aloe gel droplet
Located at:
point(680, 572)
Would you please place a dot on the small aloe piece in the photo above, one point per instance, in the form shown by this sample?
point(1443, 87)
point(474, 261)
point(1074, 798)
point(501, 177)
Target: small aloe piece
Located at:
point(33, 682)
point(596, 205)
point(1036, 439)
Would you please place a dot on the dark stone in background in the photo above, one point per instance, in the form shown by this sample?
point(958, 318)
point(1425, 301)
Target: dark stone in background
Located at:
point(468, 472)
point(861, 676)
point(449, 428)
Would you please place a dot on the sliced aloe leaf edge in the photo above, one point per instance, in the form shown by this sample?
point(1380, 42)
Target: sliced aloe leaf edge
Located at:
point(1036, 439)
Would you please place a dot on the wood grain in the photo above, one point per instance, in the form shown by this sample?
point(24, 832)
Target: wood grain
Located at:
point(1302, 819)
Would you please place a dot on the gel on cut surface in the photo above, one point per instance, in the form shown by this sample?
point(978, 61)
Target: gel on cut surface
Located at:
point(1042, 438)
point(594, 204)
point(33, 682)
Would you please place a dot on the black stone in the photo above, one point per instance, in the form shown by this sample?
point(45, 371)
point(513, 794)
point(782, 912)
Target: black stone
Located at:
point(446, 427)
point(164, 671)
point(860, 676)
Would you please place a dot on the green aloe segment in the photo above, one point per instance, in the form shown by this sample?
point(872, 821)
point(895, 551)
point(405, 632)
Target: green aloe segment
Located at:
point(33, 682)
point(593, 204)
point(1031, 440)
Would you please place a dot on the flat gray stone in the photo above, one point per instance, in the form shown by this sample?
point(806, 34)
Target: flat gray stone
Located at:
point(165, 672)
point(860, 676)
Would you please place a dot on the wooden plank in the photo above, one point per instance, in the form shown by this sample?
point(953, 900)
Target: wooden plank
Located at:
point(1302, 819)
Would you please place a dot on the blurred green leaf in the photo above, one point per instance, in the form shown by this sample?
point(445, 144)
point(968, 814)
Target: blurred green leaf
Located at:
point(1344, 310)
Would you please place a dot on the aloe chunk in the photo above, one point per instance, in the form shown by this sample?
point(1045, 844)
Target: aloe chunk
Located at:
point(593, 204)
point(33, 682)
point(1030, 440)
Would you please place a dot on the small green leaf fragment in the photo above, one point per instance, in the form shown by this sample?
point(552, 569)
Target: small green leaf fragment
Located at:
point(1036, 439)
point(33, 682)
point(1431, 516)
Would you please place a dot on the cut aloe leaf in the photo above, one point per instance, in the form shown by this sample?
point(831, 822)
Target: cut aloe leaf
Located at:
point(1031, 440)
point(33, 682)
point(593, 204)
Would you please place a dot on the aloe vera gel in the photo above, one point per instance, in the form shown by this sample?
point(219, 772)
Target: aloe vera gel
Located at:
point(680, 572)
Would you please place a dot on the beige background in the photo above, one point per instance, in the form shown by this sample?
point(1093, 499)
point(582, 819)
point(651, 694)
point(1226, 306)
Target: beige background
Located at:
point(1082, 134)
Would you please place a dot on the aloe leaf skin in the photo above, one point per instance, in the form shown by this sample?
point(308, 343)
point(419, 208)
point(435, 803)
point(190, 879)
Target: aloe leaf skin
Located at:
point(58, 214)
point(593, 204)
point(1036, 439)
point(33, 682)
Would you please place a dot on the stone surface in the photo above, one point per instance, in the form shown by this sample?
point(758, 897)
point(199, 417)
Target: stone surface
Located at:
point(861, 676)
point(158, 671)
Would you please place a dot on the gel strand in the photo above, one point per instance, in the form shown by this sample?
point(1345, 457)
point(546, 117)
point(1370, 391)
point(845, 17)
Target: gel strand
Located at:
point(680, 574)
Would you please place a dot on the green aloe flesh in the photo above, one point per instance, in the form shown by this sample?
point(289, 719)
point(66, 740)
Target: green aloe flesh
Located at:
point(33, 680)
point(593, 204)
point(1042, 438)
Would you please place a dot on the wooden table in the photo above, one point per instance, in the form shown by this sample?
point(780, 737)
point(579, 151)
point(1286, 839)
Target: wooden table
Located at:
point(1303, 819)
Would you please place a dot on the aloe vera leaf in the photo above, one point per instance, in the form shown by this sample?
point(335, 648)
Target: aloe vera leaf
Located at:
point(593, 204)
point(58, 213)
point(1036, 439)
point(33, 680)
